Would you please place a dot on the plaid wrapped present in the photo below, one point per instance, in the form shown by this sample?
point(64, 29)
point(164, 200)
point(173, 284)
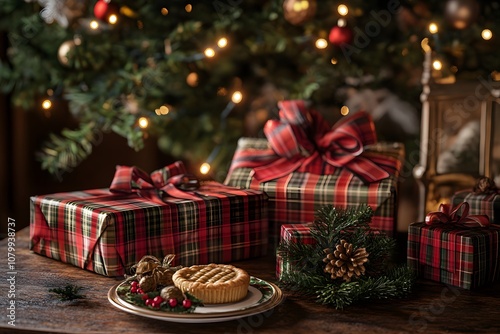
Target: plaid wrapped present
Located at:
point(296, 233)
point(109, 230)
point(484, 199)
point(342, 166)
point(455, 249)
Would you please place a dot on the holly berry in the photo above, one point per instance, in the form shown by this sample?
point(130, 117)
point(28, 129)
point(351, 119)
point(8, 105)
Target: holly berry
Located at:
point(172, 302)
point(155, 304)
point(186, 303)
point(133, 289)
point(134, 284)
point(148, 302)
point(139, 290)
point(145, 296)
point(158, 299)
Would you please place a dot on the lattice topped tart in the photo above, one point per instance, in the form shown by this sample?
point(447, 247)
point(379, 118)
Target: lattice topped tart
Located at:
point(213, 283)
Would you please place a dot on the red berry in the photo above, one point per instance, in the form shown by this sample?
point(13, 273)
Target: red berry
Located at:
point(149, 301)
point(139, 290)
point(172, 302)
point(186, 303)
point(155, 304)
point(134, 284)
point(144, 296)
point(133, 289)
point(158, 299)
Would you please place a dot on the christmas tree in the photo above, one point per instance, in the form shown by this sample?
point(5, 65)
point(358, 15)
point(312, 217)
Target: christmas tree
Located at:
point(199, 75)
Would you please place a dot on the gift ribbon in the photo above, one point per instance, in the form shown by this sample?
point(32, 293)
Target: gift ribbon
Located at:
point(171, 180)
point(458, 215)
point(303, 141)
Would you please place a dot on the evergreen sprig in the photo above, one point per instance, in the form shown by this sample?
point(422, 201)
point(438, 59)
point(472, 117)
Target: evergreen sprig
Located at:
point(383, 280)
point(69, 292)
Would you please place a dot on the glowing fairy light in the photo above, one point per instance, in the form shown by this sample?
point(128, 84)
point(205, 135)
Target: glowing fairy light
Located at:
point(237, 97)
point(205, 168)
point(143, 122)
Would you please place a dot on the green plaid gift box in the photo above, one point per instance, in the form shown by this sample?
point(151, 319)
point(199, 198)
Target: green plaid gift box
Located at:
point(296, 198)
point(480, 204)
point(296, 233)
point(108, 232)
point(466, 257)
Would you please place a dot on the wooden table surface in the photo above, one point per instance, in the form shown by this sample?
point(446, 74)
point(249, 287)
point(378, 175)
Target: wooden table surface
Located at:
point(432, 308)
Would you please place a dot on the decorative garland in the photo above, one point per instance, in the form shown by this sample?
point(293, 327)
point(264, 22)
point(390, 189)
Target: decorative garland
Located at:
point(349, 261)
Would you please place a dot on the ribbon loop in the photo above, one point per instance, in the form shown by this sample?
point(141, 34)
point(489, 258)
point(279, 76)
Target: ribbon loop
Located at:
point(171, 180)
point(458, 215)
point(303, 141)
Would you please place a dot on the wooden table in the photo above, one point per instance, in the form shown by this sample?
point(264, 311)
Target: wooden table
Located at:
point(432, 308)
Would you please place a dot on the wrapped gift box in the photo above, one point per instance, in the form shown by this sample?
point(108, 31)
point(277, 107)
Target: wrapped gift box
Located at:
point(296, 198)
point(480, 204)
point(465, 257)
point(305, 164)
point(296, 233)
point(108, 231)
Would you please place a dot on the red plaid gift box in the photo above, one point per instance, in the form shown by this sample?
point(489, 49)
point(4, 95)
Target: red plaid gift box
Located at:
point(296, 233)
point(109, 230)
point(462, 255)
point(480, 204)
point(350, 168)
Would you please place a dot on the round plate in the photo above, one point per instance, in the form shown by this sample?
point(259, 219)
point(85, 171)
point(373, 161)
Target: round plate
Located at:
point(262, 296)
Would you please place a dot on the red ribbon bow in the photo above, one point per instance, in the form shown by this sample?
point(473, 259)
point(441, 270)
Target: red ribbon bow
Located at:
point(303, 141)
point(171, 180)
point(458, 215)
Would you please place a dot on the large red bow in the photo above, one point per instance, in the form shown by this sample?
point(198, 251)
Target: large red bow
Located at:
point(169, 180)
point(303, 141)
point(458, 215)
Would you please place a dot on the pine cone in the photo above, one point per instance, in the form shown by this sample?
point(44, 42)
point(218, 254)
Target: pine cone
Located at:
point(344, 262)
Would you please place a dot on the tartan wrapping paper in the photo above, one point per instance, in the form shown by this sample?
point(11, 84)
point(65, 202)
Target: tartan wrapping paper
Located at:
point(464, 257)
point(296, 198)
point(296, 233)
point(108, 232)
point(480, 204)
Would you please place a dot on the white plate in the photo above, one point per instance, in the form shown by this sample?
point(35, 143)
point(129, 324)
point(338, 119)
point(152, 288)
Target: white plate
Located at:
point(262, 296)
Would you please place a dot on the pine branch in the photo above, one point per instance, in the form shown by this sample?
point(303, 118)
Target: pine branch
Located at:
point(62, 153)
point(306, 270)
point(69, 292)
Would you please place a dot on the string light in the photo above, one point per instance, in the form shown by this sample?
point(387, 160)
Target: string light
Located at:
point(222, 43)
point(143, 122)
point(433, 28)
point(209, 52)
point(344, 111)
point(46, 104)
point(113, 19)
point(188, 8)
point(321, 43)
point(237, 97)
point(343, 10)
point(205, 168)
point(486, 34)
point(94, 25)
point(192, 79)
point(334, 61)
point(437, 65)
point(341, 22)
point(164, 11)
point(163, 110)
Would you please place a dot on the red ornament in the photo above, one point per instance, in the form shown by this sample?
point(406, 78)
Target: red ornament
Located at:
point(340, 35)
point(104, 9)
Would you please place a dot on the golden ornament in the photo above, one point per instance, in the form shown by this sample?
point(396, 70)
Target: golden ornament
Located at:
point(345, 262)
point(299, 11)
